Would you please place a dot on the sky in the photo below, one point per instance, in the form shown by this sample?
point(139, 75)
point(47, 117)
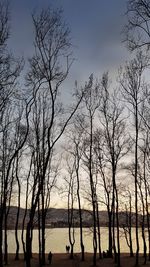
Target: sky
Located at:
point(95, 32)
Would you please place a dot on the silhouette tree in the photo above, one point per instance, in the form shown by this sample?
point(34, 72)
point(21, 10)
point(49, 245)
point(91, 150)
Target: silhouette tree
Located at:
point(133, 88)
point(76, 137)
point(91, 101)
point(116, 146)
point(136, 32)
point(49, 67)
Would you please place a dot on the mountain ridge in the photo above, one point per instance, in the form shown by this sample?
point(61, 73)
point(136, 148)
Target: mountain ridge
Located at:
point(58, 217)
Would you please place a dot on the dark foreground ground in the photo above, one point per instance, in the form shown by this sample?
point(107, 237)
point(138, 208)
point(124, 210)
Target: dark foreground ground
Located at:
point(62, 260)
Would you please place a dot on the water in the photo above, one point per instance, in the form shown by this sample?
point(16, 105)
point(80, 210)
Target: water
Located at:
point(57, 239)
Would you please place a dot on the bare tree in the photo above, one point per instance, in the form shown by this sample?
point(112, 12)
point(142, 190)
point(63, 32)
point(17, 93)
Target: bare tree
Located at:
point(37, 142)
point(136, 32)
point(9, 71)
point(76, 138)
point(133, 88)
point(114, 149)
point(142, 223)
point(10, 156)
point(27, 193)
point(92, 102)
point(49, 67)
point(71, 195)
point(128, 223)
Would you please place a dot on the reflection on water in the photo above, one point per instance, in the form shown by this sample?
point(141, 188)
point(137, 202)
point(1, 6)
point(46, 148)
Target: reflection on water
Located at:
point(57, 239)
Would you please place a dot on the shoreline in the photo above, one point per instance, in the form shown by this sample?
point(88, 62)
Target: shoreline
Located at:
point(63, 260)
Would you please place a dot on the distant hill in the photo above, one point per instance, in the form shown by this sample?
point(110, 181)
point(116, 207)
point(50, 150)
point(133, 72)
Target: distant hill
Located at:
point(59, 218)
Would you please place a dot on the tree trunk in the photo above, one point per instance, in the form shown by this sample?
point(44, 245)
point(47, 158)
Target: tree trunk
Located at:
point(29, 232)
point(39, 235)
point(28, 245)
point(17, 219)
point(98, 232)
point(93, 191)
point(113, 224)
point(80, 211)
point(26, 207)
point(144, 242)
point(130, 229)
point(117, 222)
point(1, 244)
point(94, 235)
point(136, 182)
point(6, 212)
point(43, 230)
point(5, 241)
point(110, 233)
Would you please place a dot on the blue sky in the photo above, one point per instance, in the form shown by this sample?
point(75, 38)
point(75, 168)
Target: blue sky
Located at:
point(95, 30)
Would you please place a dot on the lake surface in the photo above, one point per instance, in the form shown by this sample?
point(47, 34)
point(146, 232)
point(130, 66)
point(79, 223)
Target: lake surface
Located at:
point(57, 239)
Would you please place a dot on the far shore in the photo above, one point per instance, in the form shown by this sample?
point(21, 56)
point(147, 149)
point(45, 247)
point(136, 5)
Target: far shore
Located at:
point(63, 260)
point(65, 227)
